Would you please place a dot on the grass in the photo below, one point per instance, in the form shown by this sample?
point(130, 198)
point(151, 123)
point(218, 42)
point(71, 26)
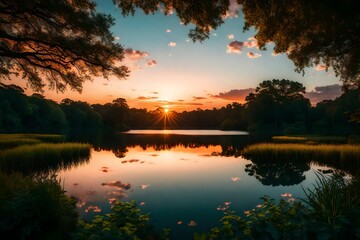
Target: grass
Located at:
point(344, 156)
point(333, 197)
point(44, 157)
point(14, 140)
point(310, 139)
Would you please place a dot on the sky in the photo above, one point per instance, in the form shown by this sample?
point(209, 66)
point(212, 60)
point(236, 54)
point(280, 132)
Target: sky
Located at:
point(169, 70)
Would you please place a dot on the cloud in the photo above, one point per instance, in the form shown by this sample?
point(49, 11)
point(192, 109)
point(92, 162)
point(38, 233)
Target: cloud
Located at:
point(118, 185)
point(251, 42)
point(116, 38)
point(146, 98)
point(234, 94)
point(172, 44)
point(233, 11)
point(151, 63)
point(198, 98)
point(253, 55)
point(168, 30)
point(230, 36)
point(321, 93)
point(320, 67)
point(155, 92)
point(275, 54)
point(215, 34)
point(135, 54)
point(235, 47)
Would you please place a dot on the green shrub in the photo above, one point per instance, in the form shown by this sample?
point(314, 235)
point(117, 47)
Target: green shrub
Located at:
point(125, 221)
point(35, 208)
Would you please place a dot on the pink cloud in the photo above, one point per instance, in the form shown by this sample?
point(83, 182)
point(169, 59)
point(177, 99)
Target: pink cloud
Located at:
point(233, 11)
point(321, 93)
point(168, 30)
point(151, 63)
point(234, 94)
point(235, 47)
point(135, 54)
point(251, 42)
point(320, 67)
point(231, 36)
point(253, 55)
point(172, 44)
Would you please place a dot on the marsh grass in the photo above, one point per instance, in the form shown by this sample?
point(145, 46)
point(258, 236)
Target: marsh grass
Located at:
point(44, 157)
point(14, 140)
point(343, 153)
point(310, 139)
point(333, 197)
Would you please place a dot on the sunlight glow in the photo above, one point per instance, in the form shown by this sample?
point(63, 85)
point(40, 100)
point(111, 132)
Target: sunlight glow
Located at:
point(166, 110)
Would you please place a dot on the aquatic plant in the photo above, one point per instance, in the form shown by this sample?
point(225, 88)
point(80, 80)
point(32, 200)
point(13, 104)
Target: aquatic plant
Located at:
point(44, 157)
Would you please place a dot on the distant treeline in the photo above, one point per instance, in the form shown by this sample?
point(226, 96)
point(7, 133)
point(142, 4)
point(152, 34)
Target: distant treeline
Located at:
point(269, 110)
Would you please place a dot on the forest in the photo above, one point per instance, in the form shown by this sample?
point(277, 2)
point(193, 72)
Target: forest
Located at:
point(276, 107)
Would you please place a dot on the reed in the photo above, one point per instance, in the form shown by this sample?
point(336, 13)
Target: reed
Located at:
point(44, 157)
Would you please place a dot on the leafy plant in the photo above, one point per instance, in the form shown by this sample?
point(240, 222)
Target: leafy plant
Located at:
point(125, 221)
point(35, 208)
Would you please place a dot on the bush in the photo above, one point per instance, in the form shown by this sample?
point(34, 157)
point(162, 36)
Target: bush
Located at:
point(35, 208)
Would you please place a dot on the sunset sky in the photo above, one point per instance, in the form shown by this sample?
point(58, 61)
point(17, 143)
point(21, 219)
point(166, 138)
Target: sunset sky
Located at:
point(169, 70)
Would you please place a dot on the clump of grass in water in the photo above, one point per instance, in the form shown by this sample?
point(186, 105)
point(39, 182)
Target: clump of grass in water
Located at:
point(44, 157)
point(14, 140)
point(309, 139)
point(333, 197)
point(292, 151)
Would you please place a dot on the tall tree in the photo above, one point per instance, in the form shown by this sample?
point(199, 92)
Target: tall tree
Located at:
point(309, 32)
point(61, 42)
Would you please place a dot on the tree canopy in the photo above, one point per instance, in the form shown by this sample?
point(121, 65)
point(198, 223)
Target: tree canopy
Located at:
point(309, 32)
point(61, 42)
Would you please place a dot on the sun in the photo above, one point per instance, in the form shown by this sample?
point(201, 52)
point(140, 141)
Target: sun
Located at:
point(166, 110)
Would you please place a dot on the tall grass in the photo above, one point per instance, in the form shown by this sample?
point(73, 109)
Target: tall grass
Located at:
point(15, 140)
point(310, 139)
point(345, 156)
point(293, 151)
point(44, 157)
point(333, 197)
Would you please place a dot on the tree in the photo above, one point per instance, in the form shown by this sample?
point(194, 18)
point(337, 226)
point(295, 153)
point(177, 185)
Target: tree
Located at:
point(309, 32)
point(279, 91)
point(61, 42)
point(279, 106)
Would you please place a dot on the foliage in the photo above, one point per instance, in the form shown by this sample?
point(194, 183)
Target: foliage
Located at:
point(43, 157)
point(125, 221)
point(278, 105)
point(62, 42)
point(35, 208)
point(309, 32)
point(292, 219)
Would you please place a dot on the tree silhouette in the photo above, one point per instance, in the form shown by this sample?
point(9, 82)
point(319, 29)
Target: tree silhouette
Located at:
point(60, 42)
point(309, 32)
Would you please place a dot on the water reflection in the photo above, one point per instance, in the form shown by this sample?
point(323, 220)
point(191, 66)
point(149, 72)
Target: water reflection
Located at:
point(278, 173)
point(186, 182)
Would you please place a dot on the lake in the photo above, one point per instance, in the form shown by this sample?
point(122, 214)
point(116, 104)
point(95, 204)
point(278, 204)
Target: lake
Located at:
point(184, 179)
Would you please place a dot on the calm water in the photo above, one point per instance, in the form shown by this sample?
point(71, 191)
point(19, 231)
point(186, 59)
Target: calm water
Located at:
point(183, 180)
